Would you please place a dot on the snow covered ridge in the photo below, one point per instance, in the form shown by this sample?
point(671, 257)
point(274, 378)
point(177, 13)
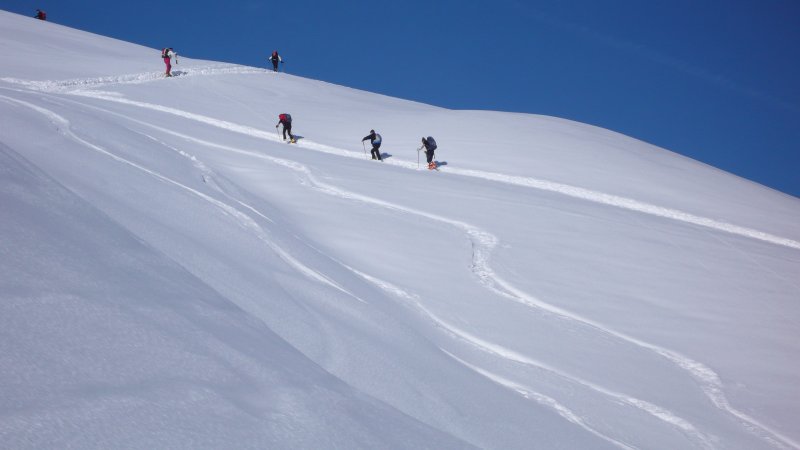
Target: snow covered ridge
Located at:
point(176, 276)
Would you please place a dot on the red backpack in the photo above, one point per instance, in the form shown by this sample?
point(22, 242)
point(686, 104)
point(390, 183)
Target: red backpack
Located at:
point(286, 118)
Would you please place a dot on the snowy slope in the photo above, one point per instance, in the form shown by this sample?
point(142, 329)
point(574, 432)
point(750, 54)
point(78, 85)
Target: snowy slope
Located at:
point(174, 275)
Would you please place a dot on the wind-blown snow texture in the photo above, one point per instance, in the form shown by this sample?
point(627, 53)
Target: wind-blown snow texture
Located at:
point(175, 276)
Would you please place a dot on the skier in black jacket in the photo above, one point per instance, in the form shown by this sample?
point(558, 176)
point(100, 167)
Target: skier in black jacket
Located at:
point(375, 140)
point(430, 146)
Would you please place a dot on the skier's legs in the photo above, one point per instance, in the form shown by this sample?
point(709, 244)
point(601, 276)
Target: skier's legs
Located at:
point(429, 155)
point(168, 64)
point(376, 152)
point(288, 129)
point(274, 65)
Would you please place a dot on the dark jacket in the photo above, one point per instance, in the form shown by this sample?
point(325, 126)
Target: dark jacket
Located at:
point(372, 138)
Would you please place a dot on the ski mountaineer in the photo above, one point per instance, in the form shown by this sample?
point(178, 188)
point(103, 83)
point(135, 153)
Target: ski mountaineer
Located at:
point(41, 15)
point(286, 120)
point(166, 55)
point(430, 146)
point(375, 140)
point(275, 59)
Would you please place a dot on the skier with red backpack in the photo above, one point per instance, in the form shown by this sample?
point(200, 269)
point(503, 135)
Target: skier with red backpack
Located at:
point(167, 54)
point(286, 120)
point(275, 59)
point(41, 15)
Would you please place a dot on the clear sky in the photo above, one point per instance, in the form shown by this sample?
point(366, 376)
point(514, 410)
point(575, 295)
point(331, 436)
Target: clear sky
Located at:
point(715, 80)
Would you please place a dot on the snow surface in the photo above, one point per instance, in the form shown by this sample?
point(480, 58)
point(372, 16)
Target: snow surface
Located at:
point(175, 276)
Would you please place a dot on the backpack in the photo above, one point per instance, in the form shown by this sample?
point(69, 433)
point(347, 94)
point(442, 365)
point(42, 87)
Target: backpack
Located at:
point(431, 143)
point(286, 118)
point(377, 139)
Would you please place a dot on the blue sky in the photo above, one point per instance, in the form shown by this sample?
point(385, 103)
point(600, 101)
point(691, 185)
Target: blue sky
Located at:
point(717, 81)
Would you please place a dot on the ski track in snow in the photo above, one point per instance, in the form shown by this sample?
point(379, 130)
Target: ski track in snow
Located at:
point(483, 242)
point(509, 355)
point(245, 221)
point(134, 78)
point(540, 398)
point(543, 185)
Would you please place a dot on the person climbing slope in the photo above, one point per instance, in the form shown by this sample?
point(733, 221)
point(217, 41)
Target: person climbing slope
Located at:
point(167, 54)
point(429, 144)
point(286, 121)
point(275, 59)
point(41, 15)
point(375, 140)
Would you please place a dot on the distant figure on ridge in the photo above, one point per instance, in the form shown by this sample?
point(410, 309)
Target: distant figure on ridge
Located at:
point(167, 54)
point(275, 59)
point(41, 15)
point(430, 146)
point(286, 120)
point(375, 140)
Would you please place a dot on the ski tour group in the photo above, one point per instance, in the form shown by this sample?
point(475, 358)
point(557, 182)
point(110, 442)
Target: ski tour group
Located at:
point(285, 119)
point(428, 143)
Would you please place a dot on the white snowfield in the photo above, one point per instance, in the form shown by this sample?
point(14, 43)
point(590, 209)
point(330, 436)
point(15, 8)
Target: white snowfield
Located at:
point(174, 275)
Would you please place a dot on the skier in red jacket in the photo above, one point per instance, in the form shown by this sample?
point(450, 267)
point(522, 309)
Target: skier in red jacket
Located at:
point(167, 54)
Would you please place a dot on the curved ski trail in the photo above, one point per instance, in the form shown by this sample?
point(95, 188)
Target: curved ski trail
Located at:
point(245, 221)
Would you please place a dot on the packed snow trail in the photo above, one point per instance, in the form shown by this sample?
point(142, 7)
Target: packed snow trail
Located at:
point(245, 221)
point(133, 78)
point(559, 188)
point(483, 243)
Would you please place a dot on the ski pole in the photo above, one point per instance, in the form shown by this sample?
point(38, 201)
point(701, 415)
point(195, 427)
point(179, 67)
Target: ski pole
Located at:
point(418, 157)
point(365, 149)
